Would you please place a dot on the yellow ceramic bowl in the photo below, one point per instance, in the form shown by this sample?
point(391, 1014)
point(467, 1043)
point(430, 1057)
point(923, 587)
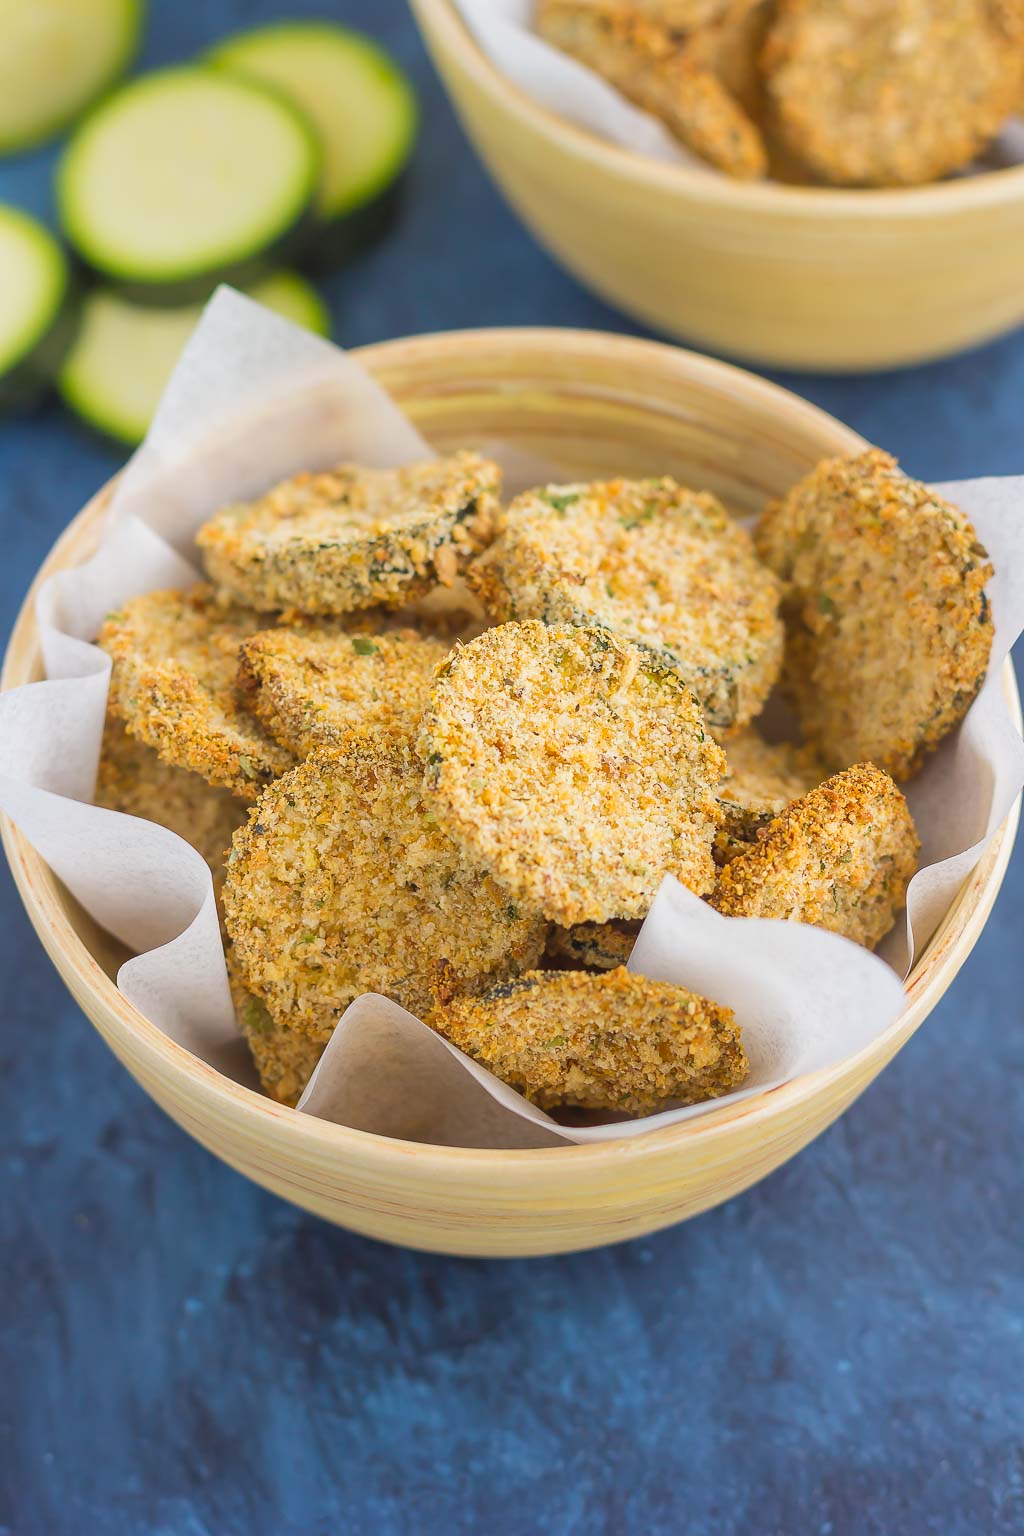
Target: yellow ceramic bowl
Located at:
point(597, 405)
point(785, 276)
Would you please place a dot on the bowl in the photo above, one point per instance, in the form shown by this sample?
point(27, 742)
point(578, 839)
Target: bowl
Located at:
point(599, 405)
point(793, 277)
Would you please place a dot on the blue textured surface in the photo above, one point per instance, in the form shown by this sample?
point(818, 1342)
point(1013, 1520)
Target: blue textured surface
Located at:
point(837, 1353)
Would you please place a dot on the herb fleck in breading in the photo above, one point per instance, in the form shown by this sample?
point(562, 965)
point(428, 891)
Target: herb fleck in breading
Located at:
point(315, 684)
point(841, 858)
point(175, 663)
point(890, 93)
point(343, 883)
point(573, 766)
point(613, 1042)
point(888, 627)
point(652, 562)
point(352, 538)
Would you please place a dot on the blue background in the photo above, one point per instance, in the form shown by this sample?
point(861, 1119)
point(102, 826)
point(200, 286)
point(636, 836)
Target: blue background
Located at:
point(837, 1351)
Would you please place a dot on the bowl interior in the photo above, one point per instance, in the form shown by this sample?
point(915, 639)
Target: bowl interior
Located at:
point(578, 405)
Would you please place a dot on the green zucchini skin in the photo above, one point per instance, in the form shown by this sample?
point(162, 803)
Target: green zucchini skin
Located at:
point(64, 114)
point(24, 385)
point(138, 272)
point(287, 251)
point(347, 220)
point(34, 360)
point(140, 354)
point(325, 246)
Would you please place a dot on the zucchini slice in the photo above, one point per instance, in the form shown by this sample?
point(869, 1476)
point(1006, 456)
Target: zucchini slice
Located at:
point(186, 177)
point(56, 56)
point(125, 353)
point(38, 309)
point(361, 105)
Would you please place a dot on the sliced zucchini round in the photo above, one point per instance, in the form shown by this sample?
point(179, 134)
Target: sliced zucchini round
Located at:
point(38, 308)
point(125, 353)
point(56, 56)
point(361, 105)
point(186, 177)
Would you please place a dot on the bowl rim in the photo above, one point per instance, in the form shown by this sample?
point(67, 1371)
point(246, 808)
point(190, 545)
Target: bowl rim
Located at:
point(40, 891)
point(968, 193)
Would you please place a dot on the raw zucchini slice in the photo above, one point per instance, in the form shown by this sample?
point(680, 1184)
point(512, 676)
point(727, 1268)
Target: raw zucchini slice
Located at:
point(185, 177)
point(124, 354)
point(37, 308)
point(360, 103)
point(56, 56)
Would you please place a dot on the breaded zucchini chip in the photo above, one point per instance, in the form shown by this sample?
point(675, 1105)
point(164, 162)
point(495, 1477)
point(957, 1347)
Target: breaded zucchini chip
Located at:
point(343, 883)
point(284, 1058)
point(764, 776)
point(591, 946)
point(313, 685)
point(575, 767)
point(132, 779)
point(175, 663)
point(841, 858)
point(652, 66)
point(652, 562)
point(729, 46)
point(352, 538)
point(614, 1042)
point(889, 93)
point(888, 627)
point(761, 779)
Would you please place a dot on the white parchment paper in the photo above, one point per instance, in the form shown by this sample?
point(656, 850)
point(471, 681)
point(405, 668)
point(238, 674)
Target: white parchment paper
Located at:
point(252, 400)
point(504, 30)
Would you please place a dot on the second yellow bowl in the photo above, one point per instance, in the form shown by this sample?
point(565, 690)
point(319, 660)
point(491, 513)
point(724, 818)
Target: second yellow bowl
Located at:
point(796, 277)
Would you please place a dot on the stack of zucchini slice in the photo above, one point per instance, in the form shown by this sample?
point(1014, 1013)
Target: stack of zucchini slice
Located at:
point(284, 145)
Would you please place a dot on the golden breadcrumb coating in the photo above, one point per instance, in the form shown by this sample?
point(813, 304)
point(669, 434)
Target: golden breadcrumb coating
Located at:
point(351, 538)
point(652, 66)
point(841, 858)
point(573, 766)
point(650, 561)
point(889, 630)
point(765, 776)
point(613, 1042)
point(313, 685)
point(175, 663)
point(892, 92)
point(343, 883)
point(284, 1058)
point(132, 779)
point(591, 946)
point(761, 779)
point(729, 46)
